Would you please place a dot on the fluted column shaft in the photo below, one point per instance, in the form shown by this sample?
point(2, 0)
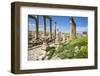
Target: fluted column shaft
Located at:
point(50, 28)
point(37, 31)
point(44, 32)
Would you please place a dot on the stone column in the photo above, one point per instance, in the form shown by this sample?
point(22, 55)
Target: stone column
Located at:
point(50, 27)
point(72, 28)
point(45, 43)
point(37, 31)
point(44, 25)
point(55, 30)
point(68, 37)
point(64, 38)
point(57, 40)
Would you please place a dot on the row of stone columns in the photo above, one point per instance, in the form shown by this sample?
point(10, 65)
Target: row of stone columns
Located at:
point(44, 32)
point(72, 27)
point(37, 26)
point(50, 20)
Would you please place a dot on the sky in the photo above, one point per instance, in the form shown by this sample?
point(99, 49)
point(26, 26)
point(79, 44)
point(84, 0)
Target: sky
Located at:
point(62, 23)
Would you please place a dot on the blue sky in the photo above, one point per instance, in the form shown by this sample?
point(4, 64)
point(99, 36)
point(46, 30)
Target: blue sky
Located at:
point(62, 25)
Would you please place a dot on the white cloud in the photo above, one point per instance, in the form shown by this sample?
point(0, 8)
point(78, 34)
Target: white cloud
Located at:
point(81, 29)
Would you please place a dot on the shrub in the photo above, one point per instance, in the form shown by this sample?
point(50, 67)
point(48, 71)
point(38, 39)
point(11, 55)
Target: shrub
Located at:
point(67, 49)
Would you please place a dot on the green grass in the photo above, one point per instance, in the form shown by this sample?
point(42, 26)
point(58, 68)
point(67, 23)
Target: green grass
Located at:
point(50, 51)
point(76, 48)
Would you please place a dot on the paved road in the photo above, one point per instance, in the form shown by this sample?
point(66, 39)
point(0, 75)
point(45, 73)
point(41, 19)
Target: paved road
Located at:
point(36, 53)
